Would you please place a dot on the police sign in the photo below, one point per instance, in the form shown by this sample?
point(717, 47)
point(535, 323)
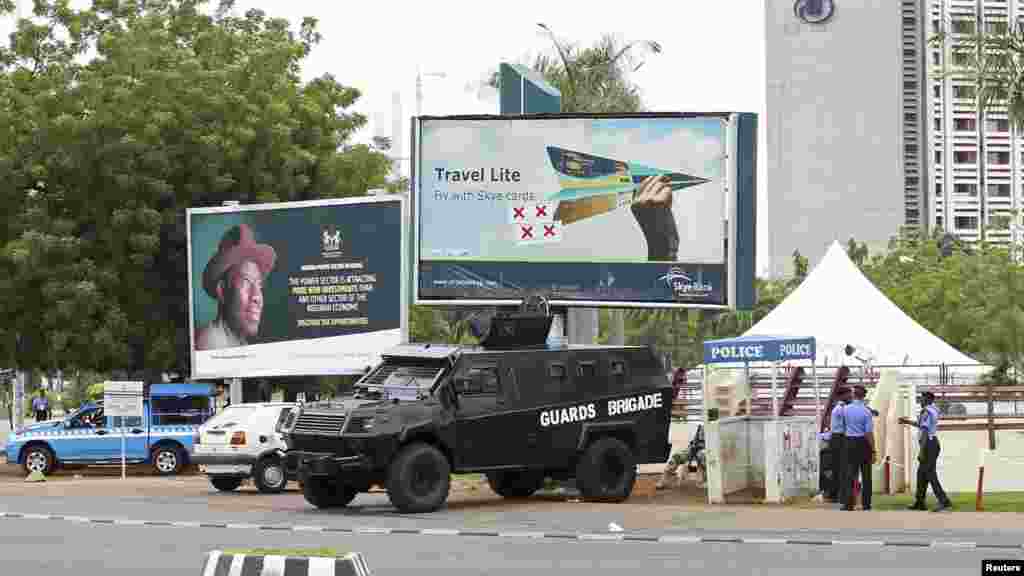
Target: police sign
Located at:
point(758, 349)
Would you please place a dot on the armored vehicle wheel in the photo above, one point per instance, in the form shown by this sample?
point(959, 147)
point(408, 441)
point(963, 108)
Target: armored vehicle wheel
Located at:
point(419, 479)
point(225, 483)
point(270, 476)
point(515, 483)
point(326, 493)
point(607, 471)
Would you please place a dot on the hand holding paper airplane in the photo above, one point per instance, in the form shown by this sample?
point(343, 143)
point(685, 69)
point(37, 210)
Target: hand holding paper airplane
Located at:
point(583, 175)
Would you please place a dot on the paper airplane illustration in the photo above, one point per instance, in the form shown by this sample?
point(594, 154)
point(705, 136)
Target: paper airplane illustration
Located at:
point(585, 175)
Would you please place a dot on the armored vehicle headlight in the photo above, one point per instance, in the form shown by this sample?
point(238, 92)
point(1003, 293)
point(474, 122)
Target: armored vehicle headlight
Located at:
point(289, 421)
point(360, 424)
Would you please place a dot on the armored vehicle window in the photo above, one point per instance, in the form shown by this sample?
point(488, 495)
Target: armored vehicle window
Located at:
point(478, 380)
point(586, 369)
point(557, 370)
point(618, 367)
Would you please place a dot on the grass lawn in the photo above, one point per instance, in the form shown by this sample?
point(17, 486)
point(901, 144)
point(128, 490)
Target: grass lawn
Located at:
point(962, 501)
point(299, 552)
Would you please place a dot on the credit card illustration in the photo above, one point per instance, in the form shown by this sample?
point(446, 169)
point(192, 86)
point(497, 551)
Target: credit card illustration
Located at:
point(584, 175)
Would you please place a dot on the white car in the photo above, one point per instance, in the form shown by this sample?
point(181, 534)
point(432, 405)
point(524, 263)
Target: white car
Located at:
point(242, 442)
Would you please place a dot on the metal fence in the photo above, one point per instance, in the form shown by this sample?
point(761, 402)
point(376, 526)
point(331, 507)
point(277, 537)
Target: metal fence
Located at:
point(960, 394)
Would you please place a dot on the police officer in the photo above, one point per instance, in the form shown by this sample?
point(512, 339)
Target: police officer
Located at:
point(928, 423)
point(837, 444)
point(860, 448)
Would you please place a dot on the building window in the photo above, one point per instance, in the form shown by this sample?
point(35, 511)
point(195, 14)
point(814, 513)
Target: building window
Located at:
point(938, 221)
point(966, 188)
point(935, 26)
point(997, 125)
point(938, 124)
point(963, 92)
point(908, 52)
point(912, 180)
point(999, 190)
point(965, 124)
point(961, 58)
point(965, 157)
point(938, 156)
point(910, 148)
point(910, 85)
point(963, 26)
point(998, 158)
point(937, 91)
point(938, 189)
point(936, 58)
point(966, 222)
point(996, 27)
point(910, 116)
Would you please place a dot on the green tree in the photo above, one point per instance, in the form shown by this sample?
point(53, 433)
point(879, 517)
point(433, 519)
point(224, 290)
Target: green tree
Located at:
point(858, 253)
point(116, 118)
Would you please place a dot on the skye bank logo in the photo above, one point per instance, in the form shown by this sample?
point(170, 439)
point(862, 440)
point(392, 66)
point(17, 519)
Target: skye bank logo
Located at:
point(814, 11)
point(330, 239)
point(682, 284)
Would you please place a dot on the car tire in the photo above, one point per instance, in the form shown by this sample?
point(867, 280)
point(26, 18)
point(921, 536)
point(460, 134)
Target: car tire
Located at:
point(607, 471)
point(39, 459)
point(225, 483)
point(167, 460)
point(327, 493)
point(515, 483)
point(269, 475)
point(418, 479)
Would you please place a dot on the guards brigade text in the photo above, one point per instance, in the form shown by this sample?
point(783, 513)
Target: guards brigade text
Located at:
point(589, 411)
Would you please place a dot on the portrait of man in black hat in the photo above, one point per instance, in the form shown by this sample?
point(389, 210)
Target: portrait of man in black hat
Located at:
point(234, 278)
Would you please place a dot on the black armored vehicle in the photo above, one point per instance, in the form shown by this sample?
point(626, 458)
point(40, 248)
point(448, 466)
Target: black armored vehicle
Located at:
point(513, 408)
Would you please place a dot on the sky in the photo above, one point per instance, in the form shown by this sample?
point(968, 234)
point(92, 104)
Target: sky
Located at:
point(712, 56)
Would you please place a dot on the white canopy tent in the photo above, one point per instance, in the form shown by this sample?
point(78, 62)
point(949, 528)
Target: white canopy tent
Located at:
point(839, 306)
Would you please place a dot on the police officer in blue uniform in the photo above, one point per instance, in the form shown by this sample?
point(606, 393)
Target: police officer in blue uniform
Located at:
point(928, 424)
point(860, 452)
point(837, 445)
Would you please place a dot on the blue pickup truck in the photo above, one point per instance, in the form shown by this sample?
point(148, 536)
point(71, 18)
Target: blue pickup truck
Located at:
point(163, 437)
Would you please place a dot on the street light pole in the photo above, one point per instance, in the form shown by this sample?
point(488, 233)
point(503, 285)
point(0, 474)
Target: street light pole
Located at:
point(419, 87)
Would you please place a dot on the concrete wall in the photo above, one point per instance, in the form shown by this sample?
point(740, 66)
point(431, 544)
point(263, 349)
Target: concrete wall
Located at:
point(834, 129)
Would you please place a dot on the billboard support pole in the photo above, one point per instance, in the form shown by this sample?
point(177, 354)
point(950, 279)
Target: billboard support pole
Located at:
point(235, 390)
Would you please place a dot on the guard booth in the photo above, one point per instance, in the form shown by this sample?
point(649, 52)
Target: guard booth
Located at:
point(772, 456)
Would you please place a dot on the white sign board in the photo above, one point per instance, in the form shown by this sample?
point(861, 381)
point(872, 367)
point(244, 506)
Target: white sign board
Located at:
point(122, 399)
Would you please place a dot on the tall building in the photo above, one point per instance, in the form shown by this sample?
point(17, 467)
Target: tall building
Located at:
point(870, 128)
point(975, 161)
point(836, 136)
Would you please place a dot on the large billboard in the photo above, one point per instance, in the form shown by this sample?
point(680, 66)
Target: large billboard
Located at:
point(590, 210)
point(299, 288)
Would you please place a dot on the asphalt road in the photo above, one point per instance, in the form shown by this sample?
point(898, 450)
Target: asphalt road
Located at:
point(47, 547)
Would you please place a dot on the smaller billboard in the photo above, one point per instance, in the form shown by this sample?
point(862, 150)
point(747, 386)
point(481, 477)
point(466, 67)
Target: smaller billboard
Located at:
point(299, 288)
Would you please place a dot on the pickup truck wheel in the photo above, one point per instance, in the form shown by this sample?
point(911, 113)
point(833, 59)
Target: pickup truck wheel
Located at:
point(326, 493)
point(39, 459)
point(607, 471)
point(515, 484)
point(419, 479)
point(225, 483)
point(270, 476)
point(167, 460)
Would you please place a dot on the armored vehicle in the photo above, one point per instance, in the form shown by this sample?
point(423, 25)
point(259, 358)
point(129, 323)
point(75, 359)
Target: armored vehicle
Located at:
point(512, 408)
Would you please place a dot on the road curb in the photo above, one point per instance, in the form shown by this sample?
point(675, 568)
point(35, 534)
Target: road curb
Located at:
point(218, 563)
point(675, 538)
